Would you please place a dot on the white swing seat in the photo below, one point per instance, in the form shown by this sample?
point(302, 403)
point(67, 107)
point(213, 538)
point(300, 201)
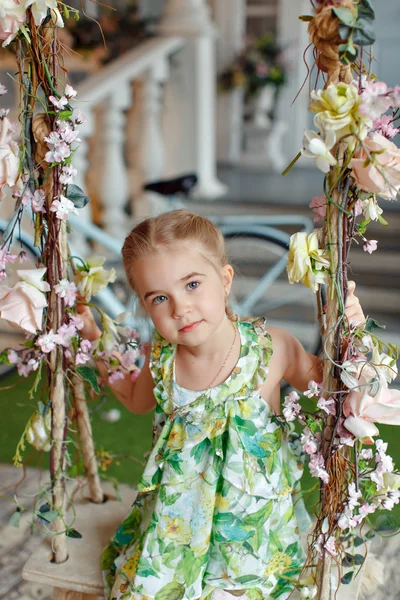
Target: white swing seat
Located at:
point(79, 578)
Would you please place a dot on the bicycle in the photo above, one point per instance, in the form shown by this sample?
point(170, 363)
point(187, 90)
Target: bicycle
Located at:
point(256, 248)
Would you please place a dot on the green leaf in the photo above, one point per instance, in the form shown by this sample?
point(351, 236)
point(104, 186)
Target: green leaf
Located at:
point(172, 498)
point(306, 18)
point(358, 559)
point(358, 541)
point(274, 541)
point(89, 375)
point(198, 451)
point(259, 517)
point(382, 220)
point(345, 16)
point(44, 508)
point(73, 533)
point(76, 195)
point(386, 523)
point(41, 408)
point(245, 426)
point(363, 33)
point(49, 516)
point(292, 550)
point(15, 519)
point(365, 10)
point(171, 591)
point(347, 578)
point(373, 324)
point(249, 579)
point(344, 31)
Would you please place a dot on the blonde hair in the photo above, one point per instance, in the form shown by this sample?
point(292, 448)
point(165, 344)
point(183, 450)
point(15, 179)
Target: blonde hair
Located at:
point(157, 233)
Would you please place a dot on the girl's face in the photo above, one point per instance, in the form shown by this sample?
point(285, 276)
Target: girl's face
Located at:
point(183, 292)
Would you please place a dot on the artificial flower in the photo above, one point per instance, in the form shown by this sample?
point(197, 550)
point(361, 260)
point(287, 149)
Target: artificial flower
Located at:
point(23, 304)
point(337, 110)
point(67, 290)
point(314, 146)
point(309, 442)
point(317, 467)
point(314, 389)
point(371, 209)
point(67, 174)
point(38, 432)
point(47, 341)
point(64, 335)
point(318, 204)
point(58, 152)
point(9, 159)
point(63, 207)
point(40, 9)
point(69, 91)
point(370, 246)
point(384, 125)
point(12, 17)
point(291, 406)
point(306, 262)
point(386, 365)
point(381, 174)
point(362, 409)
point(92, 278)
point(375, 99)
point(3, 89)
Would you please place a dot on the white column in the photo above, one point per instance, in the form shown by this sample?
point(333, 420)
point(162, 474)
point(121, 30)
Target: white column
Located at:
point(81, 163)
point(114, 189)
point(230, 19)
point(197, 102)
point(294, 38)
point(146, 146)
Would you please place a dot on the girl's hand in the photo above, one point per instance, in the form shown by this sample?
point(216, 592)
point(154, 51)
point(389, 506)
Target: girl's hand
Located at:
point(353, 310)
point(90, 330)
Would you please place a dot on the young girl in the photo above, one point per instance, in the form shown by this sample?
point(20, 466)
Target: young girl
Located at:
point(214, 514)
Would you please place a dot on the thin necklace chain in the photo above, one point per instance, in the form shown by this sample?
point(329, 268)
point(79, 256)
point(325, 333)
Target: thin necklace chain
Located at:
point(222, 366)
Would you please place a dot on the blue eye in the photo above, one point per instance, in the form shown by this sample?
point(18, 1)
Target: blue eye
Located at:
point(193, 285)
point(159, 299)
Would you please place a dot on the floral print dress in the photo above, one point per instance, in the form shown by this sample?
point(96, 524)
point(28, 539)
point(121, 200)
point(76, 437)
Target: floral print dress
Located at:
point(215, 505)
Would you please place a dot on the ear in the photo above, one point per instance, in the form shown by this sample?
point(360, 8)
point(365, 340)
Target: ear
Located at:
point(227, 278)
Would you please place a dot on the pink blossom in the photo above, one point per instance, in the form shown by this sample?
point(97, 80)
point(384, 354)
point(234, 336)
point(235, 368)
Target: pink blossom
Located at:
point(375, 99)
point(347, 520)
point(64, 335)
point(393, 497)
point(6, 257)
point(3, 89)
point(366, 454)
point(79, 117)
point(81, 358)
point(309, 441)
point(67, 174)
point(58, 153)
point(3, 275)
point(12, 16)
point(384, 126)
point(358, 208)
point(382, 175)
point(53, 139)
point(291, 406)
point(38, 200)
point(330, 546)
point(317, 467)
point(63, 207)
point(24, 369)
point(367, 509)
point(314, 389)
point(47, 341)
point(127, 359)
point(318, 204)
point(67, 290)
point(396, 97)
point(22, 256)
point(69, 91)
point(85, 346)
point(116, 375)
point(354, 495)
point(13, 357)
point(77, 322)
point(67, 132)
point(328, 406)
point(370, 246)
point(59, 103)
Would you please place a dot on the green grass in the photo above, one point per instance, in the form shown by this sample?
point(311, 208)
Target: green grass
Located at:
point(128, 437)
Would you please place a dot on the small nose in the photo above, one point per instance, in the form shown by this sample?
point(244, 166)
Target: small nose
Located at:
point(180, 309)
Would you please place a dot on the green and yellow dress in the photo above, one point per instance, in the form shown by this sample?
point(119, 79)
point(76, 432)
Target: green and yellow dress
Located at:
point(215, 504)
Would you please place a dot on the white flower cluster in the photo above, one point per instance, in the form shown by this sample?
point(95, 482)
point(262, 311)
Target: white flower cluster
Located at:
point(13, 16)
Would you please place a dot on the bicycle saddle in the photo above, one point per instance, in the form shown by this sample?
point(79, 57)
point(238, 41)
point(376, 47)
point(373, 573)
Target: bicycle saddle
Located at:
point(169, 187)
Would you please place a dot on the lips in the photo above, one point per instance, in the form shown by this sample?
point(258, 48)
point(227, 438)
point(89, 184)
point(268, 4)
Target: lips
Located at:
point(189, 328)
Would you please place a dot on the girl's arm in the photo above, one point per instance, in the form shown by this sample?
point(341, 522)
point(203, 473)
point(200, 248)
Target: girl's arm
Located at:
point(291, 362)
point(137, 395)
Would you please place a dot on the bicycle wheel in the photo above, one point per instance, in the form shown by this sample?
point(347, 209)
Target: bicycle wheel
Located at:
point(261, 286)
point(11, 336)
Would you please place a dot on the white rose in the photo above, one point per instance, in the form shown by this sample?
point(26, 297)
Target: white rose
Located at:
point(92, 278)
point(306, 262)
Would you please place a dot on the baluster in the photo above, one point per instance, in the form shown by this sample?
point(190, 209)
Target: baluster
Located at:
point(81, 163)
point(114, 191)
point(147, 155)
point(190, 19)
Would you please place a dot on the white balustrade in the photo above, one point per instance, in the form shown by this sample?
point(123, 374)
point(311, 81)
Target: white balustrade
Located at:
point(194, 95)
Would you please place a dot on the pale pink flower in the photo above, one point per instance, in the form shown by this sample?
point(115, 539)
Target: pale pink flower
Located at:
point(64, 335)
point(63, 207)
point(13, 357)
point(396, 97)
point(81, 358)
point(6, 257)
point(47, 341)
point(358, 208)
point(24, 369)
point(328, 406)
point(23, 256)
point(79, 117)
point(367, 509)
point(77, 322)
point(375, 99)
point(85, 346)
point(67, 132)
point(330, 546)
point(12, 16)
point(393, 497)
point(314, 389)
point(370, 246)
point(67, 174)
point(317, 467)
point(354, 495)
point(53, 139)
point(309, 441)
point(67, 290)
point(384, 125)
point(318, 204)
point(291, 406)
point(9, 156)
point(3, 89)
point(58, 153)
point(127, 359)
point(59, 103)
point(38, 200)
point(382, 175)
point(366, 454)
point(69, 91)
point(116, 375)
point(23, 304)
point(347, 520)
